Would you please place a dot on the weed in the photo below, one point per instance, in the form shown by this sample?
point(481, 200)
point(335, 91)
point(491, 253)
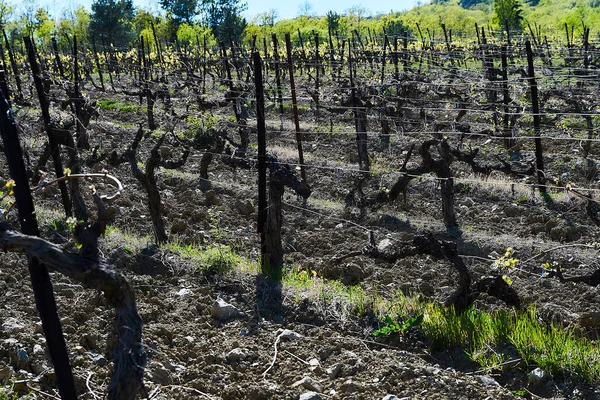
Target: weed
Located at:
point(522, 200)
point(218, 259)
point(114, 105)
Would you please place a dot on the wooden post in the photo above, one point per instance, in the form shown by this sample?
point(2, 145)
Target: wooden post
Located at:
point(539, 160)
point(288, 45)
point(385, 45)
point(61, 70)
point(40, 278)
point(107, 61)
point(317, 69)
point(81, 134)
point(146, 89)
point(13, 64)
point(97, 60)
point(360, 121)
point(395, 58)
point(278, 78)
point(303, 54)
point(508, 142)
point(52, 140)
point(331, 54)
point(204, 64)
point(262, 154)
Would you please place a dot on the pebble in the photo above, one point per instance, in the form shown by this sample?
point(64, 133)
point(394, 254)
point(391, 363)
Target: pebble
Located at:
point(487, 381)
point(334, 371)
point(223, 310)
point(310, 396)
point(236, 355)
point(290, 335)
point(538, 376)
point(309, 384)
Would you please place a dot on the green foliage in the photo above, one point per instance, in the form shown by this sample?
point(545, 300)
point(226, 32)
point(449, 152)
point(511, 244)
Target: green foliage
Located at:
point(333, 20)
point(112, 19)
point(218, 259)
point(393, 326)
point(225, 19)
point(509, 12)
point(181, 10)
point(114, 105)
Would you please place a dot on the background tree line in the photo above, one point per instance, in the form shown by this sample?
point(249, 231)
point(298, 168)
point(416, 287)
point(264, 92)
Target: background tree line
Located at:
point(119, 23)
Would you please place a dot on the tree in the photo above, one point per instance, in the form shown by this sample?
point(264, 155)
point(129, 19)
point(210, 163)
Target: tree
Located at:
point(112, 19)
point(471, 3)
point(306, 9)
point(509, 12)
point(225, 19)
point(181, 10)
point(333, 20)
point(6, 11)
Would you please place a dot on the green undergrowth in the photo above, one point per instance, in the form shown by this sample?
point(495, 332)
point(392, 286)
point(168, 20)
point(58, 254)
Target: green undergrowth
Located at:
point(497, 340)
point(500, 340)
point(214, 259)
point(114, 105)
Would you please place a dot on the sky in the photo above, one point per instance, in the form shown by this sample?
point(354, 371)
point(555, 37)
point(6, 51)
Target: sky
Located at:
point(285, 9)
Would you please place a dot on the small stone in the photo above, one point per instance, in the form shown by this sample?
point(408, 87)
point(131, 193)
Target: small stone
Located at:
point(184, 292)
point(590, 320)
point(38, 350)
point(349, 386)
point(334, 371)
point(538, 376)
point(223, 310)
point(245, 208)
point(487, 381)
point(211, 198)
point(178, 226)
point(99, 359)
point(12, 325)
point(160, 374)
point(468, 202)
point(386, 245)
point(390, 397)
point(290, 335)
point(309, 384)
point(236, 355)
point(310, 396)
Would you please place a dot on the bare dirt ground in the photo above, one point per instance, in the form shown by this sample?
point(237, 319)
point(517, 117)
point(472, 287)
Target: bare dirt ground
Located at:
point(252, 356)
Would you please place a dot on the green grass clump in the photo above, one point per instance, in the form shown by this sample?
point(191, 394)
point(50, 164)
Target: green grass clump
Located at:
point(215, 259)
point(506, 338)
point(114, 105)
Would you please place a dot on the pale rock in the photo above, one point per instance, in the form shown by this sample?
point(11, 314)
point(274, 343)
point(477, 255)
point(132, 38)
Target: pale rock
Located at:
point(237, 355)
point(390, 397)
point(160, 374)
point(309, 384)
point(12, 325)
point(538, 376)
point(334, 371)
point(223, 310)
point(310, 396)
point(184, 292)
point(386, 245)
point(487, 381)
point(290, 335)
